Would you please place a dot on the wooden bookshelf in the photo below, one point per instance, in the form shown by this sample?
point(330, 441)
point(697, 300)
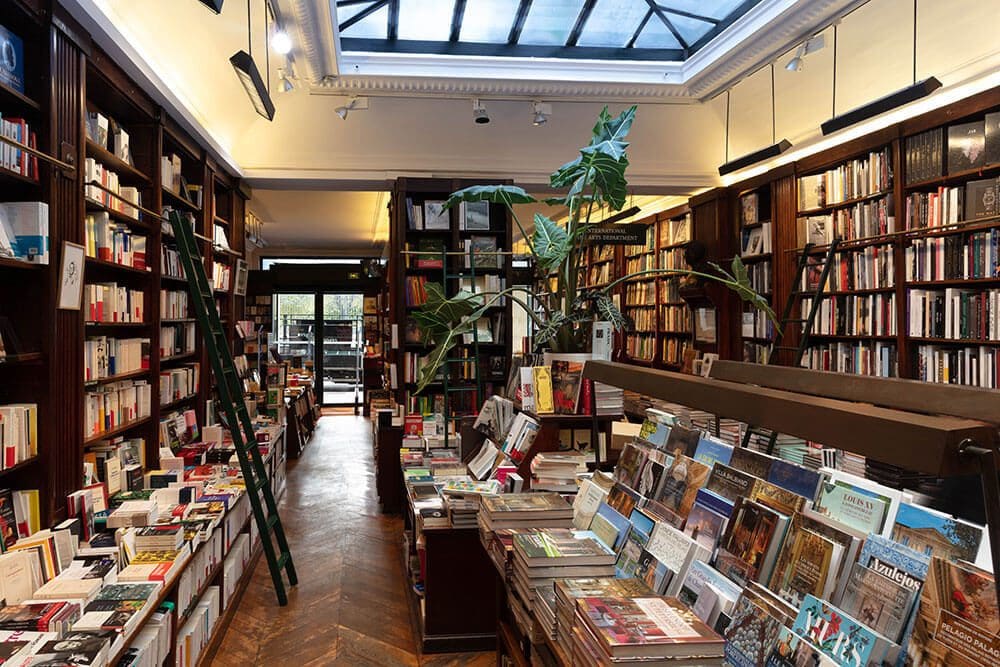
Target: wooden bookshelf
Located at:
point(403, 270)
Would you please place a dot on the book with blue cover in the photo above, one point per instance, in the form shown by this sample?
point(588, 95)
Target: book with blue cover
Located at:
point(795, 478)
point(840, 636)
point(710, 451)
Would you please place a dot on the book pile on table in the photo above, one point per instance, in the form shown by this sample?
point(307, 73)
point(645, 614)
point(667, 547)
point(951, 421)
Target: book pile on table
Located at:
point(549, 554)
point(557, 471)
point(611, 630)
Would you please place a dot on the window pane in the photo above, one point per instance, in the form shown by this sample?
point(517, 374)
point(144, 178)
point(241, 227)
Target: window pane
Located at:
point(488, 21)
point(613, 22)
point(549, 22)
point(425, 19)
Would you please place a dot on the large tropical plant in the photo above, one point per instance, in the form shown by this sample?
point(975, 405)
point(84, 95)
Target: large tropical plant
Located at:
point(593, 182)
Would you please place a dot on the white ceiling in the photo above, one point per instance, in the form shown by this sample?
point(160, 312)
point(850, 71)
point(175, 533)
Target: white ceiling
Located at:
point(422, 126)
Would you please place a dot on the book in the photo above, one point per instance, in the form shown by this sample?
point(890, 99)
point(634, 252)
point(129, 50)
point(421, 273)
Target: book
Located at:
point(435, 216)
point(877, 601)
point(840, 636)
point(648, 627)
point(936, 534)
point(541, 377)
point(957, 620)
point(566, 379)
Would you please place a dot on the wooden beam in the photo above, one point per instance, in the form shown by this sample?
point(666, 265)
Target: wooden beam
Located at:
point(910, 395)
point(923, 443)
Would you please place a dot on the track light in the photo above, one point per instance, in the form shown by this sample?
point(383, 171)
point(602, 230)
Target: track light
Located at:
point(281, 42)
point(353, 104)
point(541, 112)
point(811, 45)
point(479, 114)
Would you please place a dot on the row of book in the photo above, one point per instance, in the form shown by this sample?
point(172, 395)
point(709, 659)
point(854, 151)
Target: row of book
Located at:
point(113, 242)
point(853, 179)
point(111, 302)
point(955, 314)
point(105, 356)
point(222, 276)
point(853, 314)
point(18, 433)
point(113, 405)
point(13, 158)
point(641, 293)
point(179, 383)
point(643, 318)
point(177, 339)
point(102, 185)
point(174, 304)
point(975, 255)
point(640, 346)
point(970, 366)
point(859, 358)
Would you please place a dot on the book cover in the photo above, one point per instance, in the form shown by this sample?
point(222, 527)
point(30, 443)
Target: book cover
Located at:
point(936, 534)
point(680, 484)
point(966, 146)
point(857, 508)
point(837, 634)
point(877, 601)
point(630, 627)
point(566, 379)
point(957, 620)
point(541, 377)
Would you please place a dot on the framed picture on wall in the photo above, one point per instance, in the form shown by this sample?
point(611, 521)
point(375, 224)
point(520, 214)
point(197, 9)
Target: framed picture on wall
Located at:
point(71, 276)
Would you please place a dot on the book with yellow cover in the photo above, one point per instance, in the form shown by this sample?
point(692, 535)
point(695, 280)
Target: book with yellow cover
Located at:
point(542, 376)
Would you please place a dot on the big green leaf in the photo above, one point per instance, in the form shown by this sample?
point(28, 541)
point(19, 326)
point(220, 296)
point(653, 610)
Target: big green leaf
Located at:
point(551, 242)
point(496, 194)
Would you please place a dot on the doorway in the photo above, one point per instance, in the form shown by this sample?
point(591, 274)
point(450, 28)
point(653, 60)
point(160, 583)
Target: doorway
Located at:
point(323, 330)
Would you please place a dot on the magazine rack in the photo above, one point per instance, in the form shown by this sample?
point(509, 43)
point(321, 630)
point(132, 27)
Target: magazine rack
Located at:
point(885, 419)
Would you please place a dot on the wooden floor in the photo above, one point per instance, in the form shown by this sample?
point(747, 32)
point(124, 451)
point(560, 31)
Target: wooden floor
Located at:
point(349, 607)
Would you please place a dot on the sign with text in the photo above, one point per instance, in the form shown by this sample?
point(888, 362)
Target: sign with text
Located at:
point(615, 234)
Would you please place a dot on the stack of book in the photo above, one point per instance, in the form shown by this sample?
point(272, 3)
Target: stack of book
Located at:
point(610, 630)
point(557, 471)
point(542, 557)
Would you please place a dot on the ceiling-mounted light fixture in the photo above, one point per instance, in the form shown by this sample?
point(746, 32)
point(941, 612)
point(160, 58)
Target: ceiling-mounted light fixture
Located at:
point(249, 75)
point(479, 113)
point(214, 5)
point(911, 93)
point(353, 104)
point(540, 113)
point(281, 42)
point(811, 45)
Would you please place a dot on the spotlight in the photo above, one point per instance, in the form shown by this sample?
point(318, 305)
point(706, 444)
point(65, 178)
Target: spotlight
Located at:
point(353, 104)
point(479, 113)
point(541, 113)
point(281, 42)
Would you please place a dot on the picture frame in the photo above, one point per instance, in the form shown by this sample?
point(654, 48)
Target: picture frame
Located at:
point(242, 274)
point(71, 276)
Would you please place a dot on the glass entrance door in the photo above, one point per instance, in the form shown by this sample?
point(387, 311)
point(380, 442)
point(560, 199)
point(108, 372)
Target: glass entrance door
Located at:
point(342, 350)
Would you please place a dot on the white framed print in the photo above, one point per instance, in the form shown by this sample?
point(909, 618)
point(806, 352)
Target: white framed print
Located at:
point(71, 276)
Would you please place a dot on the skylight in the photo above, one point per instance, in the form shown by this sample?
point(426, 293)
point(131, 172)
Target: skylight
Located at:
point(650, 30)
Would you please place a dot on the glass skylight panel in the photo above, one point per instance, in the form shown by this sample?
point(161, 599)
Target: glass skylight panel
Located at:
point(373, 26)
point(549, 22)
point(656, 36)
point(613, 22)
point(488, 21)
point(426, 19)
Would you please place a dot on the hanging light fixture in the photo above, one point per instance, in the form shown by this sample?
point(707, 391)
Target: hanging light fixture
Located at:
point(249, 75)
point(774, 150)
point(911, 93)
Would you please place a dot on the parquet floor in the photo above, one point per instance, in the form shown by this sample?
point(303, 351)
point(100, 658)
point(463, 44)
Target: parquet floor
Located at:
point(350, 606)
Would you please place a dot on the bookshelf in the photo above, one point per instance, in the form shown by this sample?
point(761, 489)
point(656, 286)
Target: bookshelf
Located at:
point(414, 227)
point(673, 231)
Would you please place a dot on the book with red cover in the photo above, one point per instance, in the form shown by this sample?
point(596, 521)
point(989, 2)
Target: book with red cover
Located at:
point(653, 627)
